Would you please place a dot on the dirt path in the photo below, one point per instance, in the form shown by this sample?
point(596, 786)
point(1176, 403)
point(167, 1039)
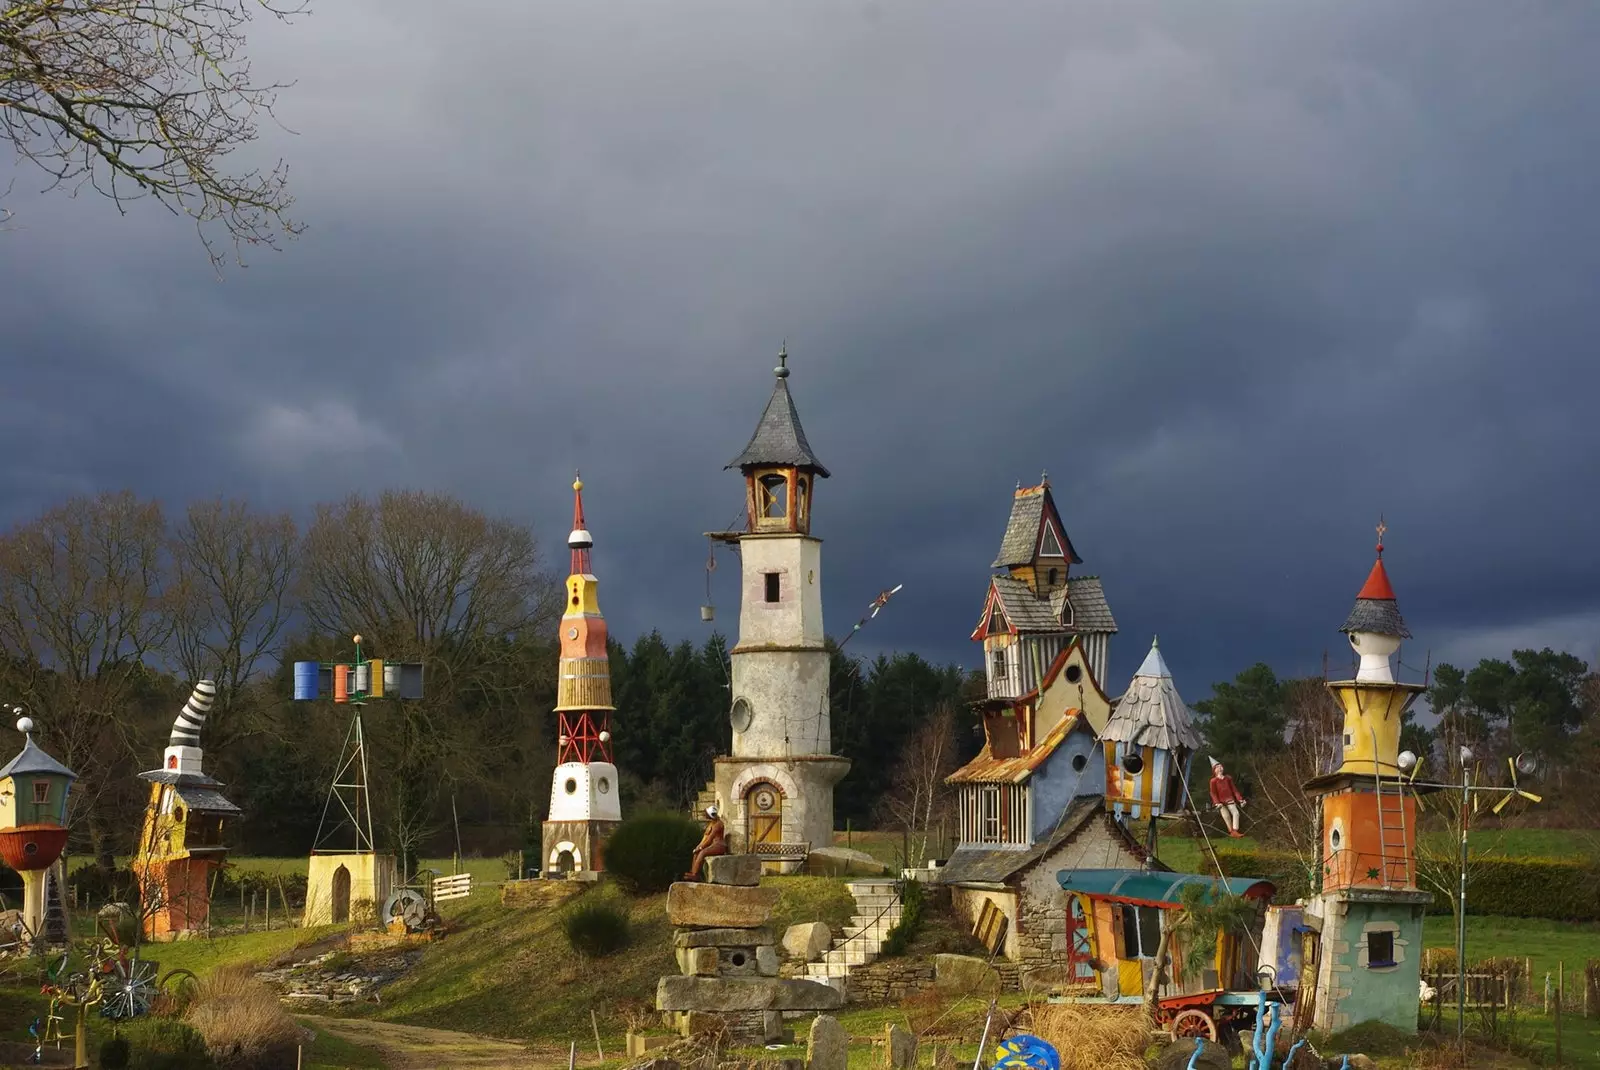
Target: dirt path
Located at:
point(414, 1047)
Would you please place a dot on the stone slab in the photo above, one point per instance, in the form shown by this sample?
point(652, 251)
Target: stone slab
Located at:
point(743, 871)
point(768, 960)
point(719, 906)
point(828, 1046)
point(722, 937)
point(725, 994)
point(843, 862)
point(900, 1047)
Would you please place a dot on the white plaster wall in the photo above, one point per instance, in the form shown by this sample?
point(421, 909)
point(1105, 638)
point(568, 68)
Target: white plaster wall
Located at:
point(796, 618)
point(372, 876)
point(968, 904)
point(594, 794)
point(807, 789)
point(788, 695)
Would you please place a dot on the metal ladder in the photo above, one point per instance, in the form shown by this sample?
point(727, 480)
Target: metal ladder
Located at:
point(1391, 821)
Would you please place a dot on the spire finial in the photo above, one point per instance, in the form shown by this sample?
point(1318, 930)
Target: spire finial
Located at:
point(1044, 478)
point(782, 370)
point(577, 480)
point(1382, 527)
point(1155, 641)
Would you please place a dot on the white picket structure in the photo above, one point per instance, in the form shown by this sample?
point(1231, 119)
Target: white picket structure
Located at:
point(456, 887)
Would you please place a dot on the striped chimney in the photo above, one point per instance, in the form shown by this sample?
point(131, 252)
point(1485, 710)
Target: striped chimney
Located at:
point(192, 718)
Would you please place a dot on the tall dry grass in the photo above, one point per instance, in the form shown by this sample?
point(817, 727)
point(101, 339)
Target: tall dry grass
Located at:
point(1093, 1038)
point(244, 1026)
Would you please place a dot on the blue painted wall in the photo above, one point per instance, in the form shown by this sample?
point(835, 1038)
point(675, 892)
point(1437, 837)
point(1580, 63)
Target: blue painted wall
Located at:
point(1057, 783)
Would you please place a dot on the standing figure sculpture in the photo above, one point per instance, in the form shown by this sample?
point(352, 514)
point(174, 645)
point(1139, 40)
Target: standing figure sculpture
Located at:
point(1226, 797)
point(713, 842)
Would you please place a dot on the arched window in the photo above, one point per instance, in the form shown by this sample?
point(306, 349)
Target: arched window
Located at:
point(774, 496)
point(801, 486)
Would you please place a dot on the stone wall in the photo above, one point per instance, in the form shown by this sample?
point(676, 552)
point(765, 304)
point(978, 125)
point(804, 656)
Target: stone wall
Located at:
point(539, 893)
point(889, 980)
point(1042, 926)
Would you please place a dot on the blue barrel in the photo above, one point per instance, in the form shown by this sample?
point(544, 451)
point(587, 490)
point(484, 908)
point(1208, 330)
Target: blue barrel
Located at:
point(305, 680)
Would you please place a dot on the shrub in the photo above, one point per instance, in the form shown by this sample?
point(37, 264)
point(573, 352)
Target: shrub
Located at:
point(166, 1044)
point(905, 930)
point(244, 1026)
point(114, 1053)
point(595, 927)
point(647, 853)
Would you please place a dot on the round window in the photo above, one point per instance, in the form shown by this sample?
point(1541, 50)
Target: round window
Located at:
point(30, 848)
point(572, 633)
point(1074, 674)
point(741, 715)
point(737, 958)
point(604, 785)
point(766, 799)
point(1079, 762)
point(1133, 763)
point(571, 786)
point(177, 814)
point(1334, 839)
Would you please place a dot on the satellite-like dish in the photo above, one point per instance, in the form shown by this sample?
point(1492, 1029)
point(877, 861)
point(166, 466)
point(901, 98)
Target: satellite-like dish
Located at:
point(1466, 755)
point(1407, 759)
point(24, 725)
point(605, 737)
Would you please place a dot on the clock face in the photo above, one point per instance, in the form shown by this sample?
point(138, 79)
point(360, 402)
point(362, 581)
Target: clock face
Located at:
point(765, 799)
point(741, 715)
point(572, 633)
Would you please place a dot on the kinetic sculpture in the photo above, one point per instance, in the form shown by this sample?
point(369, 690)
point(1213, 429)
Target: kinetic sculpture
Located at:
point(1226, 797)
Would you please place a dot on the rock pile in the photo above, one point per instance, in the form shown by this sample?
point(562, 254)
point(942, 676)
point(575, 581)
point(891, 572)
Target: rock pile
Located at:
point(332, 978)
point(727, 957)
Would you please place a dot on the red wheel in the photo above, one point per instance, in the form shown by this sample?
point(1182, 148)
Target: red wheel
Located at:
point(1194, 1023)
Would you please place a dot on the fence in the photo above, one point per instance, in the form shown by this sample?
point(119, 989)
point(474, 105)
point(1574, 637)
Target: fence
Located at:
point(458, 886)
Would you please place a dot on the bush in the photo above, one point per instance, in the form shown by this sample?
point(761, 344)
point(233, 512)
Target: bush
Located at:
point(595, 927)
point(114, 1053)
point(244, 1025)
point(165, 1044)
point(905, 930)
point(647, 853)
point(1562, 889)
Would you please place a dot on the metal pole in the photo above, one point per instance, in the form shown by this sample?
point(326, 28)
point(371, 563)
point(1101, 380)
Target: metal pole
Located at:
point(1461, 918)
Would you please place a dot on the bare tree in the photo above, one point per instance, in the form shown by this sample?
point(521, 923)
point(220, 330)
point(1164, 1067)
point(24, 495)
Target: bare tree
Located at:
point(145, 98)
point(229, 599)
point(1285, 816)
point(425, 577)
point(80, 609)
point(917, 798)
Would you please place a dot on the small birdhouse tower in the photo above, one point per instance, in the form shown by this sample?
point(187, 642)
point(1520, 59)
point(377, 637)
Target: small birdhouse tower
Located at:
point(1150, 741)
point(33, 821)
point(185, 825)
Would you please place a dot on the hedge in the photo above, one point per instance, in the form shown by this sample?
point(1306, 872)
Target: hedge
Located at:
point(1561, 889)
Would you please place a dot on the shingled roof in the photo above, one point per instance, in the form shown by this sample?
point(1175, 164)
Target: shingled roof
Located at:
point(33, 760)
point(1020, 543)
point(1150, 713)
point(779, 438)
point(1026, 611)
point(1376, 610)
point(996, 865)
point(1090, 613)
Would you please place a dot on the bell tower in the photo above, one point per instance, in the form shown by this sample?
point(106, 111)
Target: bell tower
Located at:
point(583, 796)
point(776, 786)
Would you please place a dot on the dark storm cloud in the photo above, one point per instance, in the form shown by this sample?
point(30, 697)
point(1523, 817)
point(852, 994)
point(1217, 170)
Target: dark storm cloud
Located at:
point(1240, 276)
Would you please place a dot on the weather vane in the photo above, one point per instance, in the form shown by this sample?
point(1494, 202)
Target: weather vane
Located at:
point(1382, 527)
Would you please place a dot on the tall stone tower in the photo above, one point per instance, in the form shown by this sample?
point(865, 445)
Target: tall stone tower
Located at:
point(1367, 915)
point(583, 798)
point(776, 788)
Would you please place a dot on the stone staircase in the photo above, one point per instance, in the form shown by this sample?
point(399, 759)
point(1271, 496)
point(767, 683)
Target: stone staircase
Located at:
point(877, 911)
point(706, 798)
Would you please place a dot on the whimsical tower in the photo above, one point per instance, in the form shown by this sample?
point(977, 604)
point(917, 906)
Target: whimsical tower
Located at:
point(584, 807)
point(33, 821)
point(1150, 741)
point(776, 788)
point(1367, 917)
point(184, 826)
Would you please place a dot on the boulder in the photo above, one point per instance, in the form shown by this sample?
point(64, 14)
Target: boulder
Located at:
point(719, 906)
point(698, 961)
point(742, 871)
point(843, 862)
point(722, 937)
point(729, 994)
point(899, 1048)
point(828, 1046)
point(807, 941)
point(965, 974)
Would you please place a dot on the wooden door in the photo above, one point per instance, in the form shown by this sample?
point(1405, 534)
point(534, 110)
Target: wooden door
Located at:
point(763, 814)
point(341, 896)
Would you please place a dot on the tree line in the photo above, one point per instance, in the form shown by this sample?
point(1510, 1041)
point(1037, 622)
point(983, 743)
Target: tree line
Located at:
point(111, 607)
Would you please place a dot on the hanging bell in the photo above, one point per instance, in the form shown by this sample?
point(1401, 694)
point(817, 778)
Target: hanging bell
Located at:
point(708, 612)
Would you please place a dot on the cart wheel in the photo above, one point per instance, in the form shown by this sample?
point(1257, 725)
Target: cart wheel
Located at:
point(1194, 1023)
point(179, 985)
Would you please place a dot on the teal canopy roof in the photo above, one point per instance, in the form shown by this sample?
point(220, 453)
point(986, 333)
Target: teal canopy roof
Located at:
point(1147, 886)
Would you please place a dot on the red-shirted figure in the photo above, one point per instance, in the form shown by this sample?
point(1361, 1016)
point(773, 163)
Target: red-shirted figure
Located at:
point(714, 842)
point(1226, 797)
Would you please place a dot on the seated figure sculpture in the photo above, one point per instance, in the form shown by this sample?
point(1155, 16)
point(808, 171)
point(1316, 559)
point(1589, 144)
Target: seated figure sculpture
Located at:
point(713, 842)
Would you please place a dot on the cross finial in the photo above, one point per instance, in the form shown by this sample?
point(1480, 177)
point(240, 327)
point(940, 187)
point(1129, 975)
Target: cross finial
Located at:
point(1044, 478)
point(1382, 527)
point(782, 370)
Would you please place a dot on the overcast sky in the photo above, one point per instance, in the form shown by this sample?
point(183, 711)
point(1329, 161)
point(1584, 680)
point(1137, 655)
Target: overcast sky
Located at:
point(1241, 276)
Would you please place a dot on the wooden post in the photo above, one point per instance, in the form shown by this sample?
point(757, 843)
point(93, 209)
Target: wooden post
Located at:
point(572, 1057)
point(1561, 977)
point(598, 1050)
point(80, 1042)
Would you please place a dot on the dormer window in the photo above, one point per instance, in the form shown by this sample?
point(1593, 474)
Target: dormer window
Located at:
point(1050, 577)
point(774, 490)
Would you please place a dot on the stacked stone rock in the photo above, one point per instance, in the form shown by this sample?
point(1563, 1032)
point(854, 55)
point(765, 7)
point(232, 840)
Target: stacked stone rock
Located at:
point(727, 957)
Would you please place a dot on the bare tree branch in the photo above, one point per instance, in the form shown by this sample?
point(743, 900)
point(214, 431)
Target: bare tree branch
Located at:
point(146, 98)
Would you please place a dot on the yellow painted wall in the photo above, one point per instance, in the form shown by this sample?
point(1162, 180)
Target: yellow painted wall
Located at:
point(1372, 725)
point(1063, 695)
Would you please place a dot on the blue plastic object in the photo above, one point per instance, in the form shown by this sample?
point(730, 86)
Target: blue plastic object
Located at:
point(305, 680)
point(1026, 1052)
point(1199, 1046)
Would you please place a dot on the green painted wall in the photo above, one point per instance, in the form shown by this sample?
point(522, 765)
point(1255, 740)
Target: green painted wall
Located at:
point(1366, 992)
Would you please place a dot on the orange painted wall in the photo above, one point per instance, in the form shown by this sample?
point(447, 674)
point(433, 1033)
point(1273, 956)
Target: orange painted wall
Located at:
point(1361, 849)
point(184, 887)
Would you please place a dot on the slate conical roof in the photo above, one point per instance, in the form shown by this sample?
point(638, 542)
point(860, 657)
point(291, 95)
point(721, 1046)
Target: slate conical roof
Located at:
point(33, 760)
point(1151, 714)
point(1376, 610)
point(779, 438)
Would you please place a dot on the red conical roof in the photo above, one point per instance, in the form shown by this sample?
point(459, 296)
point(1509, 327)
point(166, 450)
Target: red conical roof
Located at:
point(1377, 585)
